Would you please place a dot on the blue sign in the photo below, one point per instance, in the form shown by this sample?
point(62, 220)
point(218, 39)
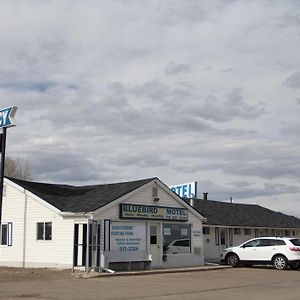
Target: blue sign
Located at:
point(185, 190)
point(7, 116)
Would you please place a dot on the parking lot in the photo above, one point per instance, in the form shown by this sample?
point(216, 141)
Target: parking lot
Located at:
point(233, 283)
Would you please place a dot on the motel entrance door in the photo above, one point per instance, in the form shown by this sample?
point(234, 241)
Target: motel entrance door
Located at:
point(155, 243)
point(86, 246)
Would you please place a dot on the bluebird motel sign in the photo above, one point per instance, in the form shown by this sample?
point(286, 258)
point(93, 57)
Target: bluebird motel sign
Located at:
point(135, 211)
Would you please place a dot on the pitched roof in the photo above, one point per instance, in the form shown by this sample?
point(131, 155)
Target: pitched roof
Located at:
point(244, 215)
point(68, 198)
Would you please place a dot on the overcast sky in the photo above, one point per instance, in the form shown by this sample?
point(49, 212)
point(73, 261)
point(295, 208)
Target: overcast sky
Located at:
point(118, 90)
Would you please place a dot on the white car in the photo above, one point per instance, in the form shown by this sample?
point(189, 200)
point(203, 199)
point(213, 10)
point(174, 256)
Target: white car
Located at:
point(181, 246)
point(280, 252)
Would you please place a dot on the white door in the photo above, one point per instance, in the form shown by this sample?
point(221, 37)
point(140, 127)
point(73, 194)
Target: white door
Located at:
point(223, 239)
point(155, 241)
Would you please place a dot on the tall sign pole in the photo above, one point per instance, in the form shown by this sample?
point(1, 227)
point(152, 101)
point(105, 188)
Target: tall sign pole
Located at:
point(6, 121)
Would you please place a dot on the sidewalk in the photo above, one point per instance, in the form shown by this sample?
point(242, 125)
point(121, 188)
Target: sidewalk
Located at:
point(209, 267)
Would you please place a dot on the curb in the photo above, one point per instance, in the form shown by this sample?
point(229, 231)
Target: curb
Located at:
point(151, 272)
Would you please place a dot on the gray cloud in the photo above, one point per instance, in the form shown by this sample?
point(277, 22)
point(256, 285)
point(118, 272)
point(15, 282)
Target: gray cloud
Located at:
point(231, 108)
point(245, 190)
point(118, 90)
point(293, 81)
point(175, 69)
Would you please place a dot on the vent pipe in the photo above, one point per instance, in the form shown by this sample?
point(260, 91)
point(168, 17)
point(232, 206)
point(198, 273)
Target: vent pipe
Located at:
point(205, 196)
point(192, 200)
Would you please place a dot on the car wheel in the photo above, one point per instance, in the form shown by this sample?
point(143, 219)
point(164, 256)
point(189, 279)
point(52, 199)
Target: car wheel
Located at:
point(232, 259)
point(280, 262)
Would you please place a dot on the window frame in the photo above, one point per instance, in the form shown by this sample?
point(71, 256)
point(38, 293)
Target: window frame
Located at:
point(188, 236)
point(206, 230)
point(8, 234)
point(237, 231)
point(42, 231)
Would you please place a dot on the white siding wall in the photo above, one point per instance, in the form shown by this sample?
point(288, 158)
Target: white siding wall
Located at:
point(13, 211)
point(57, 252)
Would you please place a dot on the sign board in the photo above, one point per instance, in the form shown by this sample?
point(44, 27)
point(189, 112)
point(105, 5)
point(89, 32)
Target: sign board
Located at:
point(185, 190)
point(7, 117)
point(136, 211)
point(128, 238)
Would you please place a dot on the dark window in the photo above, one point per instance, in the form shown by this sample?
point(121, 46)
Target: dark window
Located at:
point(253, 243)
point(223, 237)
point(237, 231)
point(44, 231)
point(206, 230)
point(295, 242)
point(247, 231)
point(279, 243)
point(4, 234)
point(153, 235)
point(266, 243)
point(182, 243)
point(48, 231)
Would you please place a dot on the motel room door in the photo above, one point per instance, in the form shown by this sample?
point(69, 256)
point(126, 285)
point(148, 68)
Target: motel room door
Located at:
point(223, 239)
point(155, 243)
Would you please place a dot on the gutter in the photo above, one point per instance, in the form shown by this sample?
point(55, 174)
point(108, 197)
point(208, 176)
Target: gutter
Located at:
point(87, 215)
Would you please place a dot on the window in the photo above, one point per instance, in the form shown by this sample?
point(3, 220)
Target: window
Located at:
point(247, 231)
point(177, 238)
point(237, 231)
point(295, 242)
point(279, 243)
point(44, 231)
point(6, 234)
point(253, 243)
point(153, 235)
point(287, 233)
point(182, 243)
point(206, 230)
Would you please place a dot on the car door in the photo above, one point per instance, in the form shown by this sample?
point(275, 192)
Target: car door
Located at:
point(264, 250)
point(248, 251)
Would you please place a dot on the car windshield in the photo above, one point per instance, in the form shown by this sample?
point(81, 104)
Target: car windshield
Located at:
point(295, 242)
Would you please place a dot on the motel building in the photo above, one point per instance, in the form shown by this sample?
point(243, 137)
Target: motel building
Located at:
point(122, 226)
point(230, 224)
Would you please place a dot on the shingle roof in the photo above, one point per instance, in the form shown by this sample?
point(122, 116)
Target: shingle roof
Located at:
point(244, 215)
point(68, 198)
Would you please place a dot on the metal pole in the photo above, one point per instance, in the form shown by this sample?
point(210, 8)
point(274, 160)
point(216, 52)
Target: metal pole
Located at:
point(3, 145)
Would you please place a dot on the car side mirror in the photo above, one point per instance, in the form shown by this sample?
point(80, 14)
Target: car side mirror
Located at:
point(244, 246)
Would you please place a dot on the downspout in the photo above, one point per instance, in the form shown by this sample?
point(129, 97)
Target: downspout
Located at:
point(24, 231)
